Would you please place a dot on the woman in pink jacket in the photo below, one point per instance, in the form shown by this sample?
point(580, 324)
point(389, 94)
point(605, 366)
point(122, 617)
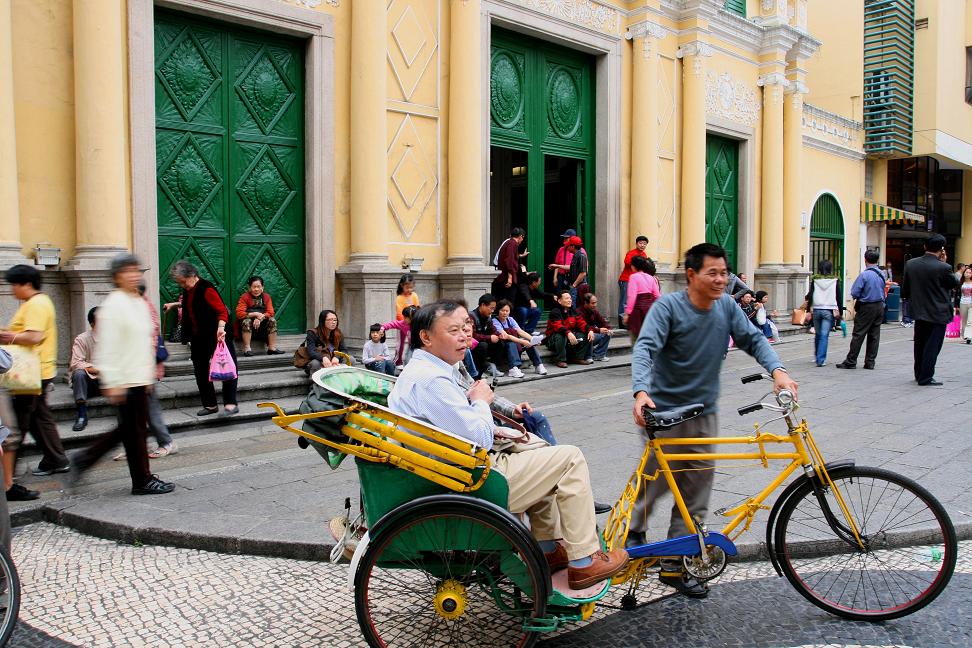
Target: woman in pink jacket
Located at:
point(403, 326)
point(643, 291)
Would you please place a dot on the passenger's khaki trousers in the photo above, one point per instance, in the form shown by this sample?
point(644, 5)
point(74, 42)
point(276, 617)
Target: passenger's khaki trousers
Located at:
point(553, 486)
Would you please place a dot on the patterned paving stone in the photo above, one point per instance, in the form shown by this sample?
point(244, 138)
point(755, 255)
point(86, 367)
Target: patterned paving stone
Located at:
point(83, 591)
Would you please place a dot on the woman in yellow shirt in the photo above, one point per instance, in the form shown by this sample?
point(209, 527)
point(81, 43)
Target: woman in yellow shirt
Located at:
point(405, 295)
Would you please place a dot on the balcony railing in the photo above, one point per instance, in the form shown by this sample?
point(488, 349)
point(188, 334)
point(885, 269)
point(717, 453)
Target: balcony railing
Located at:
point(889, 70)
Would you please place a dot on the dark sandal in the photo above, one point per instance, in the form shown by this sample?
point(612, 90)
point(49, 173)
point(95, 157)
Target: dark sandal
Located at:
point(206, 411)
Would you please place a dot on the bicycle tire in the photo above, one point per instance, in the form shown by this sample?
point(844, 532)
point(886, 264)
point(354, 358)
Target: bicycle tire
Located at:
point(9, 596)
point(413, 585)
point(911, 545)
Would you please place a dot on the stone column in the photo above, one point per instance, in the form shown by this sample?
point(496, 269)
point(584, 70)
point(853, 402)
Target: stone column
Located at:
point(644, 135)
point(101, 136)
point(963, 246)
point(794, 241)
point(368, 280)
point(11, 250)
point(692, 206)
point(769, 272)
point(466, 273)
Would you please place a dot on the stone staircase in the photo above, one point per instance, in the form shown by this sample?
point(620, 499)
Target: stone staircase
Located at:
point(264, 378)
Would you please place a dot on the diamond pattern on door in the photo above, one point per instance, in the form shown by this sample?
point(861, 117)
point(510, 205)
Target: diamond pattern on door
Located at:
point(188, 75)
point(722, 195)
point(189, 181)
point(265, 189)
point(265, 90)
point(272, 268)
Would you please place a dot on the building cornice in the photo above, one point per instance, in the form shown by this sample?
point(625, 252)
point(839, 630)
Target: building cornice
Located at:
point(832, 149)
point(694, 48)
point(774, 78)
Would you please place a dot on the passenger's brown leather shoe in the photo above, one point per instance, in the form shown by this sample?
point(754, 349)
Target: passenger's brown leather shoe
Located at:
point(557, 559)
point(604, 566)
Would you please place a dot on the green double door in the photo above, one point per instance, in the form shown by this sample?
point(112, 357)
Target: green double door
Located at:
point(541, 145)
point(230, 160)
point(722, 195)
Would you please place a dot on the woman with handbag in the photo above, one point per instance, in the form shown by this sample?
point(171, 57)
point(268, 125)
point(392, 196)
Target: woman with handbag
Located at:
point(643, 291)
point(204, 319)
point(320, 344)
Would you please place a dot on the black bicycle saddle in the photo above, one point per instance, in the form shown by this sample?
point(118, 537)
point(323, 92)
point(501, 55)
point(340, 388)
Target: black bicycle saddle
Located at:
point(664, 419)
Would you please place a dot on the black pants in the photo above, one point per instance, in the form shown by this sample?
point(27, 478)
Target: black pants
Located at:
point(34, 416)
point(867, 325)
point(481, 356)
point(928, 343)
point(130, 432)
point(201, 353)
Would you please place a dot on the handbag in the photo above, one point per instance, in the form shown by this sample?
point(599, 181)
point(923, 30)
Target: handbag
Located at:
point(221, 366)
point(24, 375)
point(799, 316)
point(161, 353)
point(953, 328)
point(301, 356)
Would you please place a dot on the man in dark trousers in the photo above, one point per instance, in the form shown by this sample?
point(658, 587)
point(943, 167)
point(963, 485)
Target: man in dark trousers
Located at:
point(868, 290)
point(927, 284)
point(508, 263)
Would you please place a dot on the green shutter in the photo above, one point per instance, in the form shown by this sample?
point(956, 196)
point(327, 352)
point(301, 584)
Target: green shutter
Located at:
point(736, 7)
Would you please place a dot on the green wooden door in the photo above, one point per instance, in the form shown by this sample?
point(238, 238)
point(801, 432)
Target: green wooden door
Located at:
point(722, 195)
point(827, 234)
point(542, 103)
point(229, 160)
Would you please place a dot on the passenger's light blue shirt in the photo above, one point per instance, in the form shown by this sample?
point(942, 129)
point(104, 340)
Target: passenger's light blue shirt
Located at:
point(869, 285)
point(679, 352)
point(427, 390)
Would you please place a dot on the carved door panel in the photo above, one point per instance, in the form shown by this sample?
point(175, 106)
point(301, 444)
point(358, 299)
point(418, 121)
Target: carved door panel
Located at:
point(229, 160)
point(722, 195)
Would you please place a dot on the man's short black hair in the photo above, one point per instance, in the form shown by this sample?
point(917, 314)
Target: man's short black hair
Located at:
point(22, 274)
point(935, 243)
point(760, 294)
point(872, 256)
point(558, 293)
point(641, 238)
point(517, 231)
point(588, 297)
point(425, 317)
point(531, 277)
point(487, 298)
point(695, 257)
point(91, 315)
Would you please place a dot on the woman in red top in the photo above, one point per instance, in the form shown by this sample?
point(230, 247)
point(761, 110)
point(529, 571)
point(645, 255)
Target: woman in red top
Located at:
point(639, 250)
point(204, 318)
point(255, 317)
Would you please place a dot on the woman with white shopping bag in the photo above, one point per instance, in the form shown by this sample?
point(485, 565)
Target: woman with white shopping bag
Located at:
point(204, 319)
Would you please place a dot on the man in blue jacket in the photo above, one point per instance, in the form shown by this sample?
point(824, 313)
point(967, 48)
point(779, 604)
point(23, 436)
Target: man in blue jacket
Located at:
point(676, 361)
point(868, 290)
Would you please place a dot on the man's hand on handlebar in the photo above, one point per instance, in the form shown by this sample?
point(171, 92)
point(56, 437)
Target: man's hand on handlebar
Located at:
point(642, 400)
point(781, 381)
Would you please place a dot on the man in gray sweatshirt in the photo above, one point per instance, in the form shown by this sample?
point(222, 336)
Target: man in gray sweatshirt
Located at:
point(676, 361)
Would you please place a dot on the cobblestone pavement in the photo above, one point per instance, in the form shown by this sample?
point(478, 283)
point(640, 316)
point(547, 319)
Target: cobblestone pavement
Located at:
point(83, 591)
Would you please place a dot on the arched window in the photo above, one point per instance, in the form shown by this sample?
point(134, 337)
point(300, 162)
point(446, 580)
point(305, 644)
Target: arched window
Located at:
point(827, 234)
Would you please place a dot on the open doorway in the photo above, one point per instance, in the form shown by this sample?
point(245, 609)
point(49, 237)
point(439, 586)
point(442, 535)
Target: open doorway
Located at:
point(563, 204)
point(508, 194)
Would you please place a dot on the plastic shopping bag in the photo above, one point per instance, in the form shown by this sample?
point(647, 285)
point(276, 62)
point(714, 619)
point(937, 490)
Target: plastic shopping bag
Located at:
point(24, 375)
point(952, 330)
point(222, 367)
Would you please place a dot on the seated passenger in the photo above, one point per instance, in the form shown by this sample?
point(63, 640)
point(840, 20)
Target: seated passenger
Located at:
point(254, 317)
point(550, 483)
point(323, 341)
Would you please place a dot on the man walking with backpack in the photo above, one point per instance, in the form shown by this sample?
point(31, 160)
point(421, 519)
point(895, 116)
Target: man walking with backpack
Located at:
point(868, 290)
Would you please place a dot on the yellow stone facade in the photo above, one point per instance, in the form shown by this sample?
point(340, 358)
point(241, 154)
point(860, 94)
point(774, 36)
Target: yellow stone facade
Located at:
point(397, 144)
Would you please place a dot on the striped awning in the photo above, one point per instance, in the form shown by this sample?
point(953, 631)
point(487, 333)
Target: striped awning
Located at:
point(875, 212)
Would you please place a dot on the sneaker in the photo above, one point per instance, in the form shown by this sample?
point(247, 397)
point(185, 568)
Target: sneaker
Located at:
point(18, 493)
point(514, 372)
point(154, 486)
point(41, 471)
point(604, 359)
point(540, 369)
point(603, 567)
point(685, 584)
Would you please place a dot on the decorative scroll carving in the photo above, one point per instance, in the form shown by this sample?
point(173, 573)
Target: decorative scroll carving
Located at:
point(587, 13)
point(731, 99)
point(648, 31)
point(696, 50)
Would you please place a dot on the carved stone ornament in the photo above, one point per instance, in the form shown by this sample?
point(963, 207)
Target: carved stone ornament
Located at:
point(587, 13)
point(647, 31)
point(731, 99)
point(313, 4)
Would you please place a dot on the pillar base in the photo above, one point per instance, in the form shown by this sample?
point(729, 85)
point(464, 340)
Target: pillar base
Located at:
point(368, 285)
point(12, 254)
point(466, 280)
point(785, 284)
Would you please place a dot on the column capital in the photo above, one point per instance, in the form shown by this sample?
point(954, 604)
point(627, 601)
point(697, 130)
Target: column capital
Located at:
point(695, 48)
point(648, 31)
point(773, 78)
point(797, 87)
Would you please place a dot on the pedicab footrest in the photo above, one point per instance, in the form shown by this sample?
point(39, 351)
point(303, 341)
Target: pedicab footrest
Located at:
point(542, 624)
point(687, 545)
point(346, 414)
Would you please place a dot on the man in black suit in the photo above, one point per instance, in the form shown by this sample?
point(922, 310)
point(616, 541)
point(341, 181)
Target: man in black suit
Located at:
point(927, 284)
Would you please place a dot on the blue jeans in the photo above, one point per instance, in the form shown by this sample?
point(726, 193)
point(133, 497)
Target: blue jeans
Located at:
point(601, 342)
point(623, 287)
point(537, 423)
point(470, 364)
point(528, 318)
point(823, 322)
point(384, 366)
point(513, 354)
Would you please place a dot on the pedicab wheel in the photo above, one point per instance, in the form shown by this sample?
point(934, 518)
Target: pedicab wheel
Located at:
point(905, 559)
point(450, 570)
point(9, 596)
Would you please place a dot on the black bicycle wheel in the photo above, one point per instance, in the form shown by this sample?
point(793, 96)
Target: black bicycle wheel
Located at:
point(909, 545)
point(9, 596)
point(444, 575)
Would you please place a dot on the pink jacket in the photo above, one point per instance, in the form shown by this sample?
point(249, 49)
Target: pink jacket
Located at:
point(640, 282)
point(404, 329)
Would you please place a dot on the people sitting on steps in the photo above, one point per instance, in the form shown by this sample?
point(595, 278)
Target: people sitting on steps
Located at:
point(255, 317)
point(568, 336)
point(599, 323)
point(82, 374)
point(551, 484)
